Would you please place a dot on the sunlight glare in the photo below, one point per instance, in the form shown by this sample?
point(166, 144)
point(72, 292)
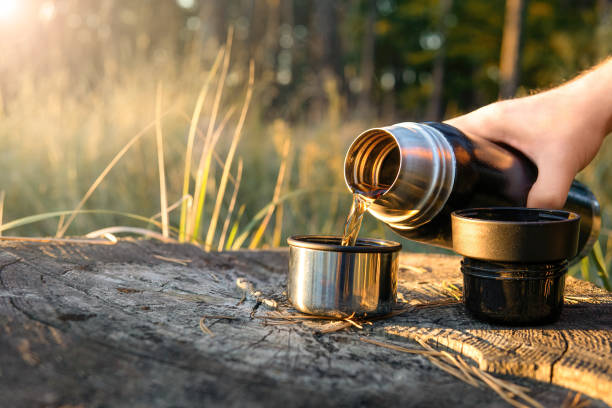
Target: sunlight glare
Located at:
point(186, 4)
point(46, 11)
point(7, 8)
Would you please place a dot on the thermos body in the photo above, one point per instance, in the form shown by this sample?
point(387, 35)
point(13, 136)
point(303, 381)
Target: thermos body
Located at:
point(431, 169)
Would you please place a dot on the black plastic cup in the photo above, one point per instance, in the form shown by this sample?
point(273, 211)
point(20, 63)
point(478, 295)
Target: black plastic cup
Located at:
point(515, 262)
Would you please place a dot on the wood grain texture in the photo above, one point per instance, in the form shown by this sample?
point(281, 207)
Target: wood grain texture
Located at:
point(575, 352)
point(92, 326)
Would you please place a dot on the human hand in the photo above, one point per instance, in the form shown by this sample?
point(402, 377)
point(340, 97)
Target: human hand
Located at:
point(560, 130)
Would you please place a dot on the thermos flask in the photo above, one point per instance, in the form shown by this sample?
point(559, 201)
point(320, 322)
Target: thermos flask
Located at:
point(428, 170)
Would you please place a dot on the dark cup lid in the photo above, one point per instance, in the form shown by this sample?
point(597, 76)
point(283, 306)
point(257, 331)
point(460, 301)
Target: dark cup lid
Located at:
point(515, 234)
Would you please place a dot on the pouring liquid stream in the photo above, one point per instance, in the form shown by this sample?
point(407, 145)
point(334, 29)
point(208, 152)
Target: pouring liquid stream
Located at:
point(362, 199)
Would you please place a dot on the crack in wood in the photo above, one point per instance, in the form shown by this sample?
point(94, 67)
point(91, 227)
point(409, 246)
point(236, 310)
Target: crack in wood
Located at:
point(555, 361)
point(75, 317)
point(4, 264)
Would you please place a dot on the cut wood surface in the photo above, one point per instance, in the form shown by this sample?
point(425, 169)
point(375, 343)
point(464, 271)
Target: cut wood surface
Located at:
point(143, 324)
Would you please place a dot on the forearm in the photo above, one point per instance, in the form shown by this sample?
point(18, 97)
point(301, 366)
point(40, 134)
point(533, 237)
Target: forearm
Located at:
point(589, 97)
point(560, 130)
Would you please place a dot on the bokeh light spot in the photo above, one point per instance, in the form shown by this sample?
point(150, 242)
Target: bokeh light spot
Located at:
point(430, 41)
point(46, 12)
point(186, 4)
point(387, 81)
point(7, 8)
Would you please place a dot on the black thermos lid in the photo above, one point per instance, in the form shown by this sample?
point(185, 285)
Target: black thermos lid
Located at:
point(515, 234)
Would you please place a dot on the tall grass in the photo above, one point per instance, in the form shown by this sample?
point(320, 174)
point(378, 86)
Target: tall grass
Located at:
point(184, 151)
point(127, 155)
point(596, 267)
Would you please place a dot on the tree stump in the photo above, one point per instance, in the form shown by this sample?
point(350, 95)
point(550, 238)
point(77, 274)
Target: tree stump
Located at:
point(143, 323)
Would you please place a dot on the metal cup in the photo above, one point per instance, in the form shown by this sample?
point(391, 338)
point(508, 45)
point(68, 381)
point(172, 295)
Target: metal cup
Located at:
point(326, 278)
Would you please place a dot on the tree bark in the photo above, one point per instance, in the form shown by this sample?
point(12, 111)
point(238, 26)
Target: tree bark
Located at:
point(511, 49)
point(435, 108)
point(326, 54)
point(364, 104)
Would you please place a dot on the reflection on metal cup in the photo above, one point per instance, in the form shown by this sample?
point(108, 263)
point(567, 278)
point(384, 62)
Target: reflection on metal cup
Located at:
point(326, 278)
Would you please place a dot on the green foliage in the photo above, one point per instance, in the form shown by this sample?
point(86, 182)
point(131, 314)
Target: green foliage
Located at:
point(594, 268)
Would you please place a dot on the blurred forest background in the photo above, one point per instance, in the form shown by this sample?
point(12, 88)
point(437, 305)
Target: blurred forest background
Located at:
point(80, 79)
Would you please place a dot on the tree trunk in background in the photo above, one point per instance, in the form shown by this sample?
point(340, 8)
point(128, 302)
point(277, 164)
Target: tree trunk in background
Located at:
point(510, 49)
point(266, 49)
point(604, 30)
point(326, 53)
point(326, 42)
point(366, 74)
point(219, 20)
point(434, 109)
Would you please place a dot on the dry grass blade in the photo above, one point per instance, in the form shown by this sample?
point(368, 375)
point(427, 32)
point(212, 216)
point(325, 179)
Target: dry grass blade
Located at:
point(352, 322)
point(277, 323)
point(445, 302)
point(230, 209)
point(278, 222)
point(452, 290)
point(183, 262)
point(230, 156)
point(200, 190)
point(63, 240)
point(234, 230)
point(452, 371)
point(173, 207)
point(221, 317)
point(163, 197)
point(416, 269)
point(278, 315)
point(2, 196)
point(193, 220)
point(277, 190)
point(190, 141)
point(341, 323)
point(215, 155)
point(205, 329)
point(399, 348)
point(102, 175)
point(335, 327)
point(220, 84)
point(458, 368)
point(575, 402)
point(424, 344)
point(60, 223)
point(573, 300)
point(461, 373)
point(514, 389)
point(349, 320)
point(465, 369)
point(129, 230)
point(495, 387)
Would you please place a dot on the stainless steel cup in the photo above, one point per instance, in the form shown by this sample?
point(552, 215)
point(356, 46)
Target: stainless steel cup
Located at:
point(326, 278)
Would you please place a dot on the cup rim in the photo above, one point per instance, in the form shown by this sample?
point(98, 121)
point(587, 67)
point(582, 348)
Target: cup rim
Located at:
point(331, 243)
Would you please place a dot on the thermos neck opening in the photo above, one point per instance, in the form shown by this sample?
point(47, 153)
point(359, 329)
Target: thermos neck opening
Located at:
point(408, 169)
point(372, 163)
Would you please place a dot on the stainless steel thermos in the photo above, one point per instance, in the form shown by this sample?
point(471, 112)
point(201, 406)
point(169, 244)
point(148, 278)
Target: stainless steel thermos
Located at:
point(431, 169)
